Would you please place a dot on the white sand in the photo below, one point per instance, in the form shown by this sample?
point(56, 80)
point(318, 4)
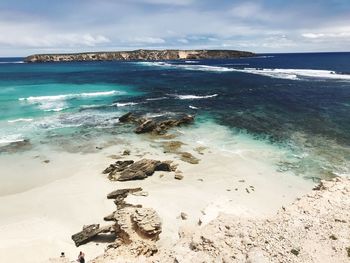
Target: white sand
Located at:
point(37, 224)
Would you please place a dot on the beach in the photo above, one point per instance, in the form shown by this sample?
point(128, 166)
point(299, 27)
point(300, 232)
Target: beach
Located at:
point(37, 223)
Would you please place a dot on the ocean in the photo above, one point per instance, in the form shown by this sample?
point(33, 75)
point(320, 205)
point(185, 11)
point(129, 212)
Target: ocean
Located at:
point(289, 109)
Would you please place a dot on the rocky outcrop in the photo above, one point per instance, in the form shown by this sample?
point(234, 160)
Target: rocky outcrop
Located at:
point(140, 55)
point(136, 229)
point(314, 229)
point(155, 126)
point(130, 170)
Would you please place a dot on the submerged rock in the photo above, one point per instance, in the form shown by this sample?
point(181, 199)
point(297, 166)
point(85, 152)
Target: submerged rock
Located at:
point(153, 125)
point(189, 158)
point(14, 147)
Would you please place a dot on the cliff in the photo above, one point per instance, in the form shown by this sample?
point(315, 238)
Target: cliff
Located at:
point(140, 55)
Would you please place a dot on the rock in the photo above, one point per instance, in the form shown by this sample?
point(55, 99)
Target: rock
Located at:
point(295, 251)
point(89, 232)
point(164, 166)
point(163, 126)
point(128, 170)
point(146, 126)
point(128, 117)
point(126, 152)
point(46, 161)
point(142, 169)
point(172, 146)
point(183, 216)
point(189, 158)
point(123, 192)
point(178, 176)
point(110, 217)
point(117, 166)
point(14, 147)
point(147, 221)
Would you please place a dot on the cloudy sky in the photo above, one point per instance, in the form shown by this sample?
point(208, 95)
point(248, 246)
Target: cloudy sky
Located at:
point(41, 26)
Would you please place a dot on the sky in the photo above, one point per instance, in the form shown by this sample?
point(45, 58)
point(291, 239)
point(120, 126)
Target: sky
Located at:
point(262, 26)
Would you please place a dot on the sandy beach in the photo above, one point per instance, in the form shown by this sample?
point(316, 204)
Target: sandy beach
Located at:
point(37, 223)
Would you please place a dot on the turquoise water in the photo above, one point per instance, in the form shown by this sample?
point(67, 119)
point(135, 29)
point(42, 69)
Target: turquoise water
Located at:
point(296, 103)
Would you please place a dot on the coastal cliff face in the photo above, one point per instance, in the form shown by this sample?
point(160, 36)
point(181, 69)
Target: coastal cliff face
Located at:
point(140, 55)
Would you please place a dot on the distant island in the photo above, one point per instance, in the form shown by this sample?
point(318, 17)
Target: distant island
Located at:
point(140, 54)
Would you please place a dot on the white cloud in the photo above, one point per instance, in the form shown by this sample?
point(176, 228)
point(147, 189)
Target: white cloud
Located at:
point(146, 40)
point(326, 36)
point(183, 40)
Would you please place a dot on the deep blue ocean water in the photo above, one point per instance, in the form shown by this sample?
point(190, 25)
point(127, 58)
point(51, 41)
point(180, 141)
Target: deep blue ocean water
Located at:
point(300, 102)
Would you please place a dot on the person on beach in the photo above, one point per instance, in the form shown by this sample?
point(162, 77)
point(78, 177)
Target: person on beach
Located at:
point(81, 257)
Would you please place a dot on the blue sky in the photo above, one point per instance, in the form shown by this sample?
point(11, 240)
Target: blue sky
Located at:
point(33, 26)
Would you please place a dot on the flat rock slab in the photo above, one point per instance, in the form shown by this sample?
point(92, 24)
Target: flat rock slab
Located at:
point(89, 232)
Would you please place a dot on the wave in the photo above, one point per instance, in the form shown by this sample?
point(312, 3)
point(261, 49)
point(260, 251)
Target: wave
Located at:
point(296, 74)
point(121, 104)
point(194, 97)
point(12, 62)
point(57, 109)
point(160, 98)
point(7, 139)
point(191, 61)
point(193, 107)
point(20, 120)
point(292, 74)
point(70, 96)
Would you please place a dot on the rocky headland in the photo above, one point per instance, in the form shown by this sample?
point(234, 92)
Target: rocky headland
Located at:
point(140, 54)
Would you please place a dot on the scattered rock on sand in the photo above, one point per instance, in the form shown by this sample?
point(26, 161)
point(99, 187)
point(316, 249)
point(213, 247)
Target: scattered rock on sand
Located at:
point(178, 176)
point(130, 170)
point(126, 152)
point(189, 158)
point(89, 232)
point(183, 216)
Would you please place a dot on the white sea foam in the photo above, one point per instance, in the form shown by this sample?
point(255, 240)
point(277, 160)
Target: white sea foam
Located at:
point(191, 61)
point(20, 120)
point(194, 97)
point(193, 107)
point(12, 62)
point(120, 104)
point(297, 73)
point(160, 98)
point(292, 74)
point(70, 96)
point(58, 103)
point(7, 139)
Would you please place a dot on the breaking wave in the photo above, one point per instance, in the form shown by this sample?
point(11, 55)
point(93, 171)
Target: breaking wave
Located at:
point(291, 74)
point(194, 97)
point(70, 96)
point(20, 120)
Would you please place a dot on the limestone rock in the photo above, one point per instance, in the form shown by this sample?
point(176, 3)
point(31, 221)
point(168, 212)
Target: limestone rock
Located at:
point(146, 126)
point(123, 192)
point(147, 221)
point(89, 232)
